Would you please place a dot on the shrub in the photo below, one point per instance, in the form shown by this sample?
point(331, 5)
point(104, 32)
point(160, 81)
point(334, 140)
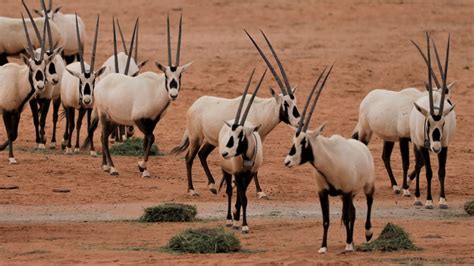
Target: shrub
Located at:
point(469, 207)
point(203, 240)
point(392, 238)
point(132, 147)
point(169, 212)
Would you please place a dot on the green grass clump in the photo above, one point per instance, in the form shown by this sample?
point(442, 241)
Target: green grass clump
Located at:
point(132, 147)
point(204, 240)
point(392, 238)
point(169, 212)
point(469, 207)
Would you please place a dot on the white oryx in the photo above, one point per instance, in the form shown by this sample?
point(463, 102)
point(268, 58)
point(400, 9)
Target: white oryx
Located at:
point(19, 84)
point(39, 104)
point(241, 155)
point(152, 95)
point(343, 167)
point(67, 25)
point(432, 128)
point(77, 93)
point(13, 41)
point(206, 117)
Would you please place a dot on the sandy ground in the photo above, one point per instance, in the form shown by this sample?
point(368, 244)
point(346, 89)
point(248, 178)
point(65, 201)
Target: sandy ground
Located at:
point(369, 43)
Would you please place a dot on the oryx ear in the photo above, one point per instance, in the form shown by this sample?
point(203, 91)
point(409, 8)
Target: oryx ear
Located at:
point(273, 93)
point(257, 128)
point(451, 85)
point(294, 90)
point(59, 50)
point(422, 110)
point(228, 124)
point(57, 9)
point(75, 74)
point(142, 64)
point(320, 129)
point(183, 68)
point(446, 112)
point(38, 12)
point(25, 58)
point(136, 73)
point(100, 71)
point(160, 67)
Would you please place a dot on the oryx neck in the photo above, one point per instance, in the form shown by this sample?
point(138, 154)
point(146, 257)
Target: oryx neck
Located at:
point(320, 148)
point(268, 113)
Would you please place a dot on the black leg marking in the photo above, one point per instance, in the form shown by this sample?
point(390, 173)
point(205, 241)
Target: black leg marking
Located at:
point(405, 152)
point(190, 155)
point(44, 109)
point(429, 173)
point(70, 113)
point(442, 157)
point(324, 201)
point(387, 152)
point(107, 128)
point(228, 191)
point(203, 153)
point(80, 117)
point(418, 165)
point(147, 126)
point(346, 215)
point(368, 225)
point(90, 124)
point(56, 104)
point(35, 114)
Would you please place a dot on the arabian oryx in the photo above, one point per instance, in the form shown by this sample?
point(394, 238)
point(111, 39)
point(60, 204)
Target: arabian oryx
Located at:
point(152, 95)
point(116, 64)
point(241, 155)
point(19, 84)
point(13, 41)
point(342, 167)
point(67, 26)
point(40, 103)
point(206, 117)
point(432, 128)
point(77, 92)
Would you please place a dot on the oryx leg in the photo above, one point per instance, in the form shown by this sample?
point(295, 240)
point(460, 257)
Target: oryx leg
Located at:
point(405, 152)
point(71, 58)
point(324, 201)
point(242, 181)
point(121, 131)
point(35, 115)
point(3, 59)
point(348, 211)
point(429, 175)
point(107, 128)
point(260, 193)
point(442, 157)
point(91, 140)
point(228, 180)
point(193, 149)
point(146, 126)
point(70, 113)
point(387, 152)
point(56, 104)
point(80, 116)
point(418, 165)
point(369, 195)
point(8, 122)
point(66, 129)
point(203, 153)
point(43, 112)
point(130, 131)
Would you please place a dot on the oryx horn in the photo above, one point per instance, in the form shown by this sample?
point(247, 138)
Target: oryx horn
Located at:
point(179, 39)
point(127, 66)
point(81, 49)
point(30, 50)
point(121, 37)
point(116, 64)
point(94, 46)
point(241, 104)
point(247, 109)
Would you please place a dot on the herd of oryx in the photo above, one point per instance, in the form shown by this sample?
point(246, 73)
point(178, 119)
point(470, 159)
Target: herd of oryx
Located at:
point(54, 69)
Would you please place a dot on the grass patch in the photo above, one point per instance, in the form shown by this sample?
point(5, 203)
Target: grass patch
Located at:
point(392, 238)
point(469, 207)
point(169, 212)
point(204, 240)
point(133, 147)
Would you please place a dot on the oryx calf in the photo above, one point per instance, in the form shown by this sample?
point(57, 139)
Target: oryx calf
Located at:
point(343, 167)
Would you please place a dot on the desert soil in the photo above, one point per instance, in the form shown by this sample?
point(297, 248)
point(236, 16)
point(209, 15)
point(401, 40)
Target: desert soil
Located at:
point(369, 42)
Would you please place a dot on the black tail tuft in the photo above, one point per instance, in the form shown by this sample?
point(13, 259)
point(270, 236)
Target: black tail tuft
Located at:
point(183, 146)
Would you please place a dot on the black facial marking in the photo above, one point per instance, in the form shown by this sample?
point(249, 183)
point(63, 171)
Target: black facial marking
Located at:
point(436, 135)
point(173, 68)
point(307, 154)
point(241, 134)
point(87, 75)
point(292, 97)
point(230, 143)
point(284, 115)
point(292, 151)
point(296, 114)
point(87, 89)
point(234, 127)
point(173, 84)
point(437, 117)
point(52, 69)
point(39, 75)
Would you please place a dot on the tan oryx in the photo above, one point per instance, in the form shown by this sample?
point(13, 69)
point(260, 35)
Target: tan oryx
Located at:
point(13, 41)
point(206, 116)
point(241, 155)
point(77, 92)
point(152, 95)
point(343, 167)
point(19, 84)
point(67, 25)
point(432, 128)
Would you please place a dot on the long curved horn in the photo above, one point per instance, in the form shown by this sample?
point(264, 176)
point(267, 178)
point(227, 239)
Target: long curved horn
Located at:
point(426, 61)
point(94, 47)
point(127, 66)
point(275, 75)
point(280, 66)
point(121, 37)
point(50, 5)
point(249, 104)
point(30, 50)
point(310, 96)
point(310, 114)
point(430, 85)
point(48, 27)
point(37, 32)
point(43, 39)
point(115, 46)
point(135, 57)
point(179, 39)
point(81, 49)
point(445, 78)
point(241, 104)
point(168, 38)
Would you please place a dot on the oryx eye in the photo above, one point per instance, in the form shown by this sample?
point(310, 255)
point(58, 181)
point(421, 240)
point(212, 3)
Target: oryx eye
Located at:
point(293, 150)
point(230, 144)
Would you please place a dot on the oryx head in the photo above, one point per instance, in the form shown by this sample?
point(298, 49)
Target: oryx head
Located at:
point(435, 116)
point(301, 150)
point(87, 77)
point(288, 109)
point(235, 141)
point(36, 60)
point(173, 71)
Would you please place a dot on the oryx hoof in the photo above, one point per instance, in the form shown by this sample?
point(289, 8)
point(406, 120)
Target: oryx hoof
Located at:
point(349, 248)
point(193, 193)
point(113, 171)
point(212, 188)
point(443, 204)
point(68, 151)
point(228, 223)
point(77, 150)
point(141, 166)
point(429, 204)
point(262, 195)
point(245, 229)
point(323, 250)
point(41, 146)
point(417, 202)
point(368, 234)
point(396, 190)
point(93, 153)
point(52, 145)
point(406, 193)
point(236, 225)
point(12, 160)
point(146, 174)
point(105, 168)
